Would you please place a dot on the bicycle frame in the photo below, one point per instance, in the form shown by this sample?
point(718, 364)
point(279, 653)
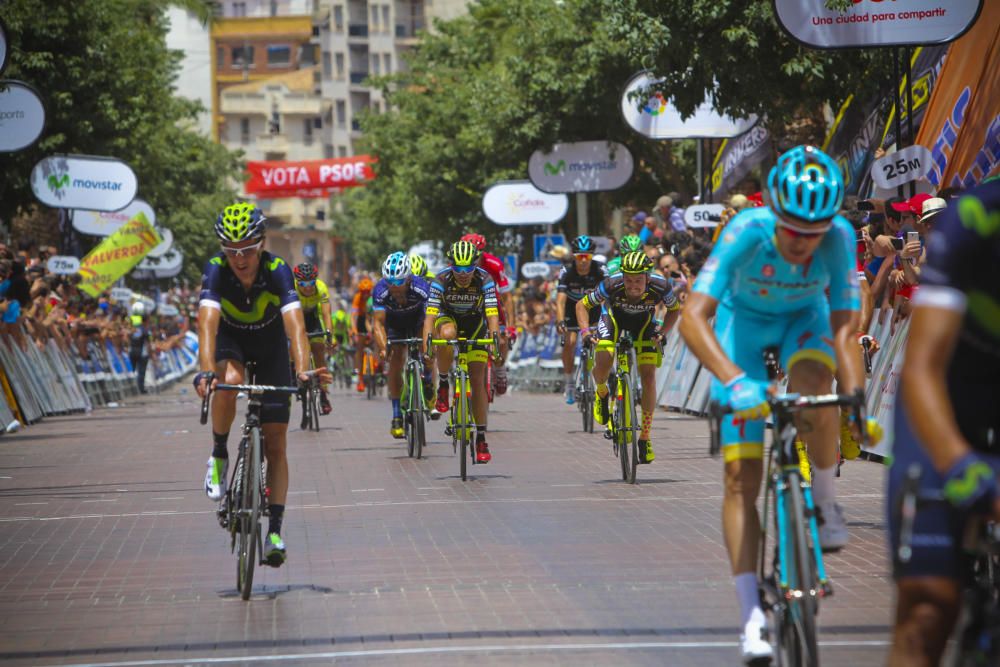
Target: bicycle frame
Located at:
point(414, 407)
point(624, 429)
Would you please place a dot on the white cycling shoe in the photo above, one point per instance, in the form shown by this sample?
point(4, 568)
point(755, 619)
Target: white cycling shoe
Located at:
point(832, 526)
point(754, 645)
point(215, 477)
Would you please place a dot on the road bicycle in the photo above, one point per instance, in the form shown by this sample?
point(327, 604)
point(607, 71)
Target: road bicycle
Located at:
point(977, 631)
point(461, 422)
point(240, 510)
point(583, 388)
point(309, 395)
point(341, 364)
point(791, 588)
point(412, 402)
point(623, 425)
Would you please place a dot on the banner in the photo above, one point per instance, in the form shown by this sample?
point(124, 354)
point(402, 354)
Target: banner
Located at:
point(308, 178)
point(117, 255)
point(84, 181)
point(737, 157)
point(105, 223)
point(521, 203)
point(875, 23)
point(22, 116)
point(583, 166)
point(962, 124)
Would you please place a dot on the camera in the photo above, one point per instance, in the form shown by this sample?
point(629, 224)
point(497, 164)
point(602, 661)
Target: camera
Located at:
point(865, 205)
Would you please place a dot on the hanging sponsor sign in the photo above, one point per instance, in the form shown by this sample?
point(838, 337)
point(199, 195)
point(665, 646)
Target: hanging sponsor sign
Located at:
point(169, 261)
point(909, 164)
point(121, 294)
point(22, 116)
point(962, 124)
point(535, 270)
point(583, 166)
point(116, 255)
point(737, 157)
point(703, 215)
point(3, 46)
point(63, 265)
point(105, 223)
point(274, 179)
point(876, 23)
point(521, 203)
point(652, 115)
point(165, 245)
point(84, 181)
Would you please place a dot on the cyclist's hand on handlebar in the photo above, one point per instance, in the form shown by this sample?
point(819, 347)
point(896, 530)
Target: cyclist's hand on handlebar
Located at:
point(204, 382)
point(873, 345)
point(748, 397)
point(561, 327)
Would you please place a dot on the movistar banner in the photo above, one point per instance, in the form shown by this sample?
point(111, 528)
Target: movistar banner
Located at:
point(117, 254)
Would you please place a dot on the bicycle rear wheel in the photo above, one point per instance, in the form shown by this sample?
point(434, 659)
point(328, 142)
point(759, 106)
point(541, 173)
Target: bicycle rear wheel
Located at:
point(462, 417)
point(800, 642)
point(249, 515)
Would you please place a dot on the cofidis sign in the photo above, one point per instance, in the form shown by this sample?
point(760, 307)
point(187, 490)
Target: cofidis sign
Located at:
point(521, 203)
point(583, 166)
point(84, 181)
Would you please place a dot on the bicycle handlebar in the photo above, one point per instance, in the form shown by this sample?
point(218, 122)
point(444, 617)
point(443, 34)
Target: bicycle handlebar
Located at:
point(252, 389)
point(406, 341)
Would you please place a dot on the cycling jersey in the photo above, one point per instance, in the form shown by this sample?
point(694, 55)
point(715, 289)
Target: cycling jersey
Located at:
point(360, 310)
point(618, 313)
point(341, 323)
point(402, 320)
point(477, 299)
point(494, 266)
point(575, 287)
point(272, 293)
point(320, 296)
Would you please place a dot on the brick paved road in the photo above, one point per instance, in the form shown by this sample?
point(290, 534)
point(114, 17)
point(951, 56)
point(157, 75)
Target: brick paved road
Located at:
point(111, 553)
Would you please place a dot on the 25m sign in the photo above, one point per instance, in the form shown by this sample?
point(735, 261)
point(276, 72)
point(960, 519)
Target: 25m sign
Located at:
point(306, 178)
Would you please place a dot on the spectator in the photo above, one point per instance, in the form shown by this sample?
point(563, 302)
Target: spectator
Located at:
point(650, 234)
point(637, 223)
point(670, 217)
point(140, 340)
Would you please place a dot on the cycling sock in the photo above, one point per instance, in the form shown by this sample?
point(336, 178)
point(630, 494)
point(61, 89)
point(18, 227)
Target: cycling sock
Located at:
point(748, 596)
point(602, 389)
point(647, 422)
point(480, 433)
point(274, 521)
point(569, 381)
point(822, 483)
point(220, 450)
point(395, 408)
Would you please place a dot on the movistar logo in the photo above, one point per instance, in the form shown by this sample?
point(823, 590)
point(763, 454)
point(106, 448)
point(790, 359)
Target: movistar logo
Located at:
point(555, 169)
point(974, 216)
point(57, 183)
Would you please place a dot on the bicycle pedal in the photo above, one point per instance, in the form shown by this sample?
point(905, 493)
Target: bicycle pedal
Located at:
point(448, 430)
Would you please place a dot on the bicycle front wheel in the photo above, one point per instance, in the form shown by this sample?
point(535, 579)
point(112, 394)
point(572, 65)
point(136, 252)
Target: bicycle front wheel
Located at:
point(630, 439)
point(621, 433)
point(250, 514)
point(799, 633)
point(314, 409)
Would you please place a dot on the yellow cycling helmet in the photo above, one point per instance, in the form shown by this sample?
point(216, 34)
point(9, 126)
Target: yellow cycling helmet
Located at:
point(463, 253)
point(636, 262)
point(418, 265)
point(239, 222)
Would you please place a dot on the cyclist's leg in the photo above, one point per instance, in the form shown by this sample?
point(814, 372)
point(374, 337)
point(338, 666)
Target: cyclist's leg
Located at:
point(607, 334)
point(444, 327)
point(397, 357)
point(569, 353)
point(229, 369)
point(648, 359)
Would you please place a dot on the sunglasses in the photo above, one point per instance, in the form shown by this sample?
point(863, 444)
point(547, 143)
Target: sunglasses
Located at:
point(239, 252)
point(306, 283)
point(583, 255)
point(794, 232)
point(396, 282)
point(463, 269)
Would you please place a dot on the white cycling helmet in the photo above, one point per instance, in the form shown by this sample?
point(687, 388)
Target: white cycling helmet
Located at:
point(396, 267)
point(138, 308)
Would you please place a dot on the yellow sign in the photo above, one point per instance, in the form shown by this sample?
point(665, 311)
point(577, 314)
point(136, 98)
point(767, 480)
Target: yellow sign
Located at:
point(117, 254)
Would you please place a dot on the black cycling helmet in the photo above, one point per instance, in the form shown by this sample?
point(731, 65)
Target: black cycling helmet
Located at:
point(581, 244)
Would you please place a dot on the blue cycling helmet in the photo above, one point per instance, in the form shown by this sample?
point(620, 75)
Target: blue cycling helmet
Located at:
point(582, 243)
point(806, 184)
point(396, 267)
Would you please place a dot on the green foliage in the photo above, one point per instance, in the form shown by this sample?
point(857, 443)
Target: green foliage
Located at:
point(106, 77)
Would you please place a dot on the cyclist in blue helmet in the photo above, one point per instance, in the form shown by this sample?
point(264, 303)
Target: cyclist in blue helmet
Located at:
point(575, 280)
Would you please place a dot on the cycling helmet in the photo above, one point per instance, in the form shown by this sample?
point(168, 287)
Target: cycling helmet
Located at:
point(806, 184)
point(418, 265)
point(138, 308)
point(396, 267)
point(463, 253)
point(629, 243)
point(582, 244)
point(305, 271)
point(636, 262)
point(365, 285)
point(239, 222)
point(477, 240)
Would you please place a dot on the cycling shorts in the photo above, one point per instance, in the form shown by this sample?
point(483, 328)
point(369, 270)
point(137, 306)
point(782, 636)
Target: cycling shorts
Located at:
point(313, 323)
point(939, 527)
point(268, 349)
point(404, 327)
point(472, 326)
point(641, 328)
point(800, 335)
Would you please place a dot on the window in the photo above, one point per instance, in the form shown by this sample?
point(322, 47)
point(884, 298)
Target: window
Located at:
point(374, 18)
point(385, 18)
point(341, 113)
point(242, 57)
point(341, 151)
point(338, 18)
point(274, 7)
point(327, 67)
point(220, 57)
point(239, 9)
point(340, 65)
point(318, 122)
point(388, 63)
point(279, 55)
point(307, 131)
point(327, 151)
point(376, 64)
point(244, 131)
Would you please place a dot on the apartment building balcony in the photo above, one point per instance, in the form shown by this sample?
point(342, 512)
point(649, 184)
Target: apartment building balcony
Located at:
point(272, 143)
point(304, 104)
point(357, 30)
point(246, 104)
point(358, 78)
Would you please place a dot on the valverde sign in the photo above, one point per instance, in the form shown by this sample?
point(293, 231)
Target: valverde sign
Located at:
point(653, 115)
point(22, 116)
point(521, 203)
point(84, 181)
point(876, 22)
point(584, 166)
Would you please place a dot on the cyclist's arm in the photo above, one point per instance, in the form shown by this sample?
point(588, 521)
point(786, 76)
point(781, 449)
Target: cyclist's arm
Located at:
point(432, 311)
point(592, 299)
point(326, 316)
point(379, 327)
point(867, 303)
point(208, 328)
point(844, 324)
point(355, 315)
point(295, 329)
point(701, 340)
point(491, 306)
point(560, 307)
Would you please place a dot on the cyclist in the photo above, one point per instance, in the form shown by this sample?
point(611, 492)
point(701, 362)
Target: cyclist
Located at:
point(627, 244)
point(418, 265)
point(400, 299)
point(247, 309)
point(463, 304)
point(340, 327)
point(948, 421)
point(765, 283)
point(628, 302)
point(494, 266)
point(315, 300)
point(359, 327)
point(575, 280)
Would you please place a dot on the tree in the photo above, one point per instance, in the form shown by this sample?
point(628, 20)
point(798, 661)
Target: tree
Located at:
point(106, 77)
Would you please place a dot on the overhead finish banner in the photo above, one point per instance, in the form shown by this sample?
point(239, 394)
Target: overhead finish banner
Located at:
point(876, 23)
point(117, 254)
point(737, 157)
point(583, 166)
point(653, 115)
point(962, 123)
point(311, 178)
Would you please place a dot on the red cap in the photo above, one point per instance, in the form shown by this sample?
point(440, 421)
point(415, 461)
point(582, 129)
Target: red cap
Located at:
point(912, 205)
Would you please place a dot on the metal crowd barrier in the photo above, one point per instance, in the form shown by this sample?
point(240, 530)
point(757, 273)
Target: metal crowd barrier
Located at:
point(534, 363)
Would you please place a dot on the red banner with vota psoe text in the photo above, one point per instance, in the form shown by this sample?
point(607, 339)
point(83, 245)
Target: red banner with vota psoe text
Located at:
point(308, 178)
